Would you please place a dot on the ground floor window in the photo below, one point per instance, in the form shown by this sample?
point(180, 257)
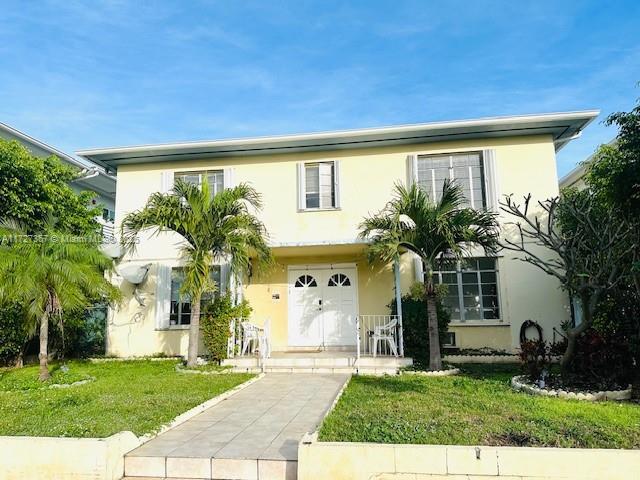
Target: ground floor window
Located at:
point(180, 303)
point(472, 292)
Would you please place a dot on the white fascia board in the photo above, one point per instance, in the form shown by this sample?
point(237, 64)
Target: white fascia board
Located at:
point(565, 124)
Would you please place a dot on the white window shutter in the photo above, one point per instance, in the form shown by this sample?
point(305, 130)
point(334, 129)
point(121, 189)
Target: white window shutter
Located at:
point(418, 269)
point(336, 183)
point(491, 179)
point(225, 278)
point(412, 169)
point(166, 182)
point(163, 296)
point(301, 190)
point(228, 179)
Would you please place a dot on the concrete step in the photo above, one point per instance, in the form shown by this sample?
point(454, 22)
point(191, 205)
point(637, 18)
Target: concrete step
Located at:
point(319, 364)
point(325, 371)
point(153, 468)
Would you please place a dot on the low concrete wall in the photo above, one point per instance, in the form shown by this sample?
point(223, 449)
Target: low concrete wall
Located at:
point(365, 461)
point(53, 458)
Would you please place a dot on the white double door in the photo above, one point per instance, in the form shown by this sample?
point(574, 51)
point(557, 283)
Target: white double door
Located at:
point(322, 307)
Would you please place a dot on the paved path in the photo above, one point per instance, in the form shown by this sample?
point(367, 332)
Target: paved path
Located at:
point(266, 421)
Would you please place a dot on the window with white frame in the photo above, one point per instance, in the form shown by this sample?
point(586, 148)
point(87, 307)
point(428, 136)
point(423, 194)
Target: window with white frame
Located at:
point(215, 179)
point(466, 169)
point(319, 182)
point(180, 313)
point(472, 289)
point(108, 215)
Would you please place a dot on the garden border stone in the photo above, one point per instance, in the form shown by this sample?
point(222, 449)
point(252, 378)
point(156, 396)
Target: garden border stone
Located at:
point(224, 371)
point(520, 384)
point(130, 359)
point(433, 373)
point(74, 384)
point(481, 359)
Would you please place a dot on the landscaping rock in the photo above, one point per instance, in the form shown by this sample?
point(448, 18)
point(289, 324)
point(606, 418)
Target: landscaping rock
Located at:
point(519, 383)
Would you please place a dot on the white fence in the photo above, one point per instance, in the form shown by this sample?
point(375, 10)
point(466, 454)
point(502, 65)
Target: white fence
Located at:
point(379, 335)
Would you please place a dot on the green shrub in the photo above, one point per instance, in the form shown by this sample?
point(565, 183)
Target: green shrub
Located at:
point(414, 324)
point(13, 334)
point(80, 334)
point(215, 324)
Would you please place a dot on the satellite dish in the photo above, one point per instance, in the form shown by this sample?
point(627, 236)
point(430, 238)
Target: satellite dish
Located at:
point(111, 250)
point(135, 274)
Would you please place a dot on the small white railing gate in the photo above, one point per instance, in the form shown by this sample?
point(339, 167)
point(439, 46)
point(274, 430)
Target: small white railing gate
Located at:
point(379, 335)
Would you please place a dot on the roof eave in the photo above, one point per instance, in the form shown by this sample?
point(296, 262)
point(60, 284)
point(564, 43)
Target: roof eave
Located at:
point(562, 125)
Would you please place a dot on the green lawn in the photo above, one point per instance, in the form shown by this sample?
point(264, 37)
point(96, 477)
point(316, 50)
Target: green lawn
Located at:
point(476, 408)
point(139, 396)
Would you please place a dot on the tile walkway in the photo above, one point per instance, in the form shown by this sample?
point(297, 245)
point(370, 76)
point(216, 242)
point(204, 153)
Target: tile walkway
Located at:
point(265, 421)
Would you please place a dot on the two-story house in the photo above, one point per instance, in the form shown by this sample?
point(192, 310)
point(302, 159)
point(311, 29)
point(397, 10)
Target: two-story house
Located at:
point(316, 189)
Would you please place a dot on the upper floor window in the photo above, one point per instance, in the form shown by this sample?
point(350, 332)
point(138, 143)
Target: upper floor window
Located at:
point(472, 289)
point(180, 313)
point(318, 185)
point(108, 215)
point(466, 169)
point(215, 179)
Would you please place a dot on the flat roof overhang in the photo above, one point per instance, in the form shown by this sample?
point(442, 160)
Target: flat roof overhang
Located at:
point(563, 127)
point(319, 249)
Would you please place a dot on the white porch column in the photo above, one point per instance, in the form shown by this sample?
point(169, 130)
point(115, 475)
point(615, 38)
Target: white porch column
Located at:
point(396, 272)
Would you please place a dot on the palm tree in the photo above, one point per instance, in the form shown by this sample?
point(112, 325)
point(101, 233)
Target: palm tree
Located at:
point(434, 231)
point(214, 227)
point(49, 274)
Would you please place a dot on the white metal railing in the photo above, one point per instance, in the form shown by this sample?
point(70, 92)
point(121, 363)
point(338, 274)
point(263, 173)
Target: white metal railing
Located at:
point(108, 232)
point(379, 335)
point(236, 337)
point(233, 344)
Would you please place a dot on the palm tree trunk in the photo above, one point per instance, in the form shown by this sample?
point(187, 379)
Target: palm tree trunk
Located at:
point(43, 356)
point(435, 359)
point(194, 332)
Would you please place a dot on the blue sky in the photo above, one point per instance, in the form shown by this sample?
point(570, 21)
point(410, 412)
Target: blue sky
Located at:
point(89, 74)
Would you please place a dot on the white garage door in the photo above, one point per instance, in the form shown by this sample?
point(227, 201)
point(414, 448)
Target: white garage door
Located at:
point(322, 307)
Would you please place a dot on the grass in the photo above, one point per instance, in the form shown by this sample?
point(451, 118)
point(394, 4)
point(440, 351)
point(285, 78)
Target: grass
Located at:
point(476, 408)
point(27, 378)
point(140, 396)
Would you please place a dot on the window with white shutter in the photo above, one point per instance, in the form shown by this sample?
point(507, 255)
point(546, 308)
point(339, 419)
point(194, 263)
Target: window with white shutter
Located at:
point(180, 308)
point(215, 179)
point(466, 169)
point(318, 184)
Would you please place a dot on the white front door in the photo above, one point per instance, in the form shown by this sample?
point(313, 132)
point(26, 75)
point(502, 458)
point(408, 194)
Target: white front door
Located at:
point(322, 307)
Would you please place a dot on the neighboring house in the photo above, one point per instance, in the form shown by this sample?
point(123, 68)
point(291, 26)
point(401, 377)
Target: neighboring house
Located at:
point(575, 178)
point(92, 177)
point(316, 190)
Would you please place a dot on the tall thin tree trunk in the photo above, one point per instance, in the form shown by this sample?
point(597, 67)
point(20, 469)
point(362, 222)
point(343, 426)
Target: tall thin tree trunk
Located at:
point(567, 356)
point(43, 356)
point(589, 304)
point(435, 359)
point(635, 380)
point(194, 332)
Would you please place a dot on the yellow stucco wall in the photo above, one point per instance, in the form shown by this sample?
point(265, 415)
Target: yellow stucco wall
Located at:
point(523, 165)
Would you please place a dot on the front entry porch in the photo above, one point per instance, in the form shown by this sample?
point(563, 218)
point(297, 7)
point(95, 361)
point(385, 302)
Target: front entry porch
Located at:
point(321, 310)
